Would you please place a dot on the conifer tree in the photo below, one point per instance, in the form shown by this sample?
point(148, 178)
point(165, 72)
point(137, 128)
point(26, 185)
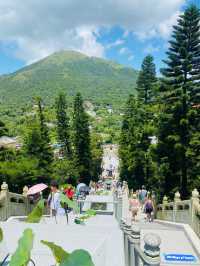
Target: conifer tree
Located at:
point(180, 93)
point(37, 144)
point(82, 149)
point(46, 155)
point(131, 153)
point(3, 129)
point(63, 125)
point(146, 80)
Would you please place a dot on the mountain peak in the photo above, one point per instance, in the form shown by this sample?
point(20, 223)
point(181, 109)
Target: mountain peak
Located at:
point(99, 80)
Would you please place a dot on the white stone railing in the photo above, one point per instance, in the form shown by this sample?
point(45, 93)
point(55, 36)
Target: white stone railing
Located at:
point(133, 253)
point(181, 211)
point(13, 204)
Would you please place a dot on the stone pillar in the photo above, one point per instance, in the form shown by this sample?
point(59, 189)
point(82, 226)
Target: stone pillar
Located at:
point(177, 198)
point(26, 201)
point(125, 201)
point(25, 191)
point(164, 202)
point(152, 249)
point(194, 204)
point(134, 240)
point(5, 199)
point(4, 189)
point(127, 231)
point(119, 208)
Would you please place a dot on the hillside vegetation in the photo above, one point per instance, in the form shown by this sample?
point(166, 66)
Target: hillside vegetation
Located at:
point(98, 80)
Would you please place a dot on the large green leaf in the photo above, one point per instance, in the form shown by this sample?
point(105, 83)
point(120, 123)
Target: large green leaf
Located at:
point(22, 255)
point(91, 212)
point(36, 214)
point(1, 235)
point(58, 252)
point(78, 258)
point(71, 204)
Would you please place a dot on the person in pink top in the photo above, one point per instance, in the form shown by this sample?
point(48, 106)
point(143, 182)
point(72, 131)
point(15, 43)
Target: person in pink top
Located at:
point(134, 206)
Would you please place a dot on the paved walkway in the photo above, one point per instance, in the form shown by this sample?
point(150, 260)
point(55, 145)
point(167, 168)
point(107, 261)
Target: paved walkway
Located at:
point(173, 241)
point(101, 236)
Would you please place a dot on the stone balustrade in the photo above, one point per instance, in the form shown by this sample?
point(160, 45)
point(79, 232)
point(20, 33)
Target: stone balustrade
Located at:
point(181, 211)
point(12, 204)
point(133, 253)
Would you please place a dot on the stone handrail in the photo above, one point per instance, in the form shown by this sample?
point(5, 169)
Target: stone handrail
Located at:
point(134, 255)
point(181, 211)
point(13, 204)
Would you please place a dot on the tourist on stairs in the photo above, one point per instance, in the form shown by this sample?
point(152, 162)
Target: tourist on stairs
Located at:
point(134, 206)
point(149, 208)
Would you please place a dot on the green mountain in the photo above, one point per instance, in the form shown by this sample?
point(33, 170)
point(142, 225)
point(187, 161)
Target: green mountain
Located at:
point(99, 80)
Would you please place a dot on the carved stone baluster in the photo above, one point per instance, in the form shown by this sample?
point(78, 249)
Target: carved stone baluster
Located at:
point(134, 240)
point(152, 249)
point(195, 207)
point(177, 199)
point(4, 197)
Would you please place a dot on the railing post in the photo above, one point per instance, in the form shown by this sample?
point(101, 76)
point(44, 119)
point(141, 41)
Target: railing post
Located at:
point(194, 203)
point(115, 203)
point(122, 227)
point(25, 191)
point(164, 202)
point(5, 199)
point(152, 250)
point(119, 208)
point(127, 231)
point(177, 198)
point(134, 240)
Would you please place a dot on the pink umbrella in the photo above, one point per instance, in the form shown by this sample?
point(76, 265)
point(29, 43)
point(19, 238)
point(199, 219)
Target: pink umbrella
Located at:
point(36, 189)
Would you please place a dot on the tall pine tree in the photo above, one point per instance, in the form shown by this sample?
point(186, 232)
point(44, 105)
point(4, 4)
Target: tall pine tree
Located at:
point(132, 168)
point(38, 144)
point(46, 155)
point(147, 86)
point(63, 125)
point(180, 93)
point(146, 80)
point(82, 147)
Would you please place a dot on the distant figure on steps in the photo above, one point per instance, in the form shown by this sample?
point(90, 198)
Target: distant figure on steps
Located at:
point(134, 206)
point(149, 209)
point(142, 195)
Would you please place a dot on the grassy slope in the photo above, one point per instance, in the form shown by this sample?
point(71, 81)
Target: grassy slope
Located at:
point(98, 80)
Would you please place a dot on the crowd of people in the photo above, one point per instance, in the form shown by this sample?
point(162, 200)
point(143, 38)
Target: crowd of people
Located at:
point(141, 201)
point(71, 192)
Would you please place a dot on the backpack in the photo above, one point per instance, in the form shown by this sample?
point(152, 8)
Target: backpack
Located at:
point(149, 205)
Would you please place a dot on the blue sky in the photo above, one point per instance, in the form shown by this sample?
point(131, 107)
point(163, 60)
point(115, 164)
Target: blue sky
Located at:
point(121, 30)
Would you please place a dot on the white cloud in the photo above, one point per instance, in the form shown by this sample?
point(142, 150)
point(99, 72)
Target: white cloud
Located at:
point(125, 34)
point(118, 42)
point(39, 28)
point(131, 57)
point(151, 49)
point(124, 50)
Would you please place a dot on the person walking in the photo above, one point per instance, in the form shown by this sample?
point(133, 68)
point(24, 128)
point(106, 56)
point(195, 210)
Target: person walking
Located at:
point(149, 208)
point(80, 186)
point(54, 201)
point(142, 196)
point(134, 206)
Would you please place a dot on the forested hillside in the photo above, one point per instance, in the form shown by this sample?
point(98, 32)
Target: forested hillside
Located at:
point(99, 80)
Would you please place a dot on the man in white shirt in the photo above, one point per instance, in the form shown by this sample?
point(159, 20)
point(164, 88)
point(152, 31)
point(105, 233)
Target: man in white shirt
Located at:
point(54, 200)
